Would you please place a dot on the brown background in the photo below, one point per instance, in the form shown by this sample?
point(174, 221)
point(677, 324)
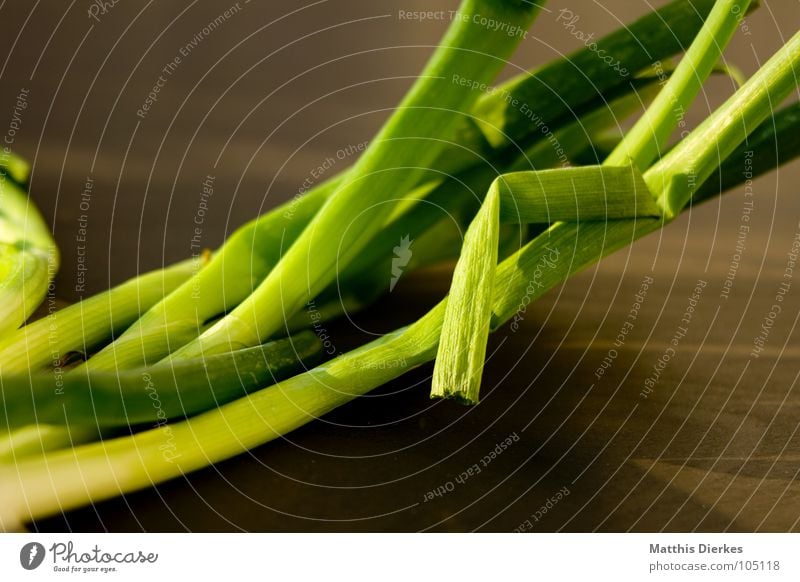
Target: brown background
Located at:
point(273, 92)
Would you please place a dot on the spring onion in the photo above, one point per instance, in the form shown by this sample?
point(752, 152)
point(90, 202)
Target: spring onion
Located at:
point(215, 338)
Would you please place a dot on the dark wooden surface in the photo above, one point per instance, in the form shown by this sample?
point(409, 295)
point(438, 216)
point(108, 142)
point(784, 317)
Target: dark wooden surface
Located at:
point(266, 98)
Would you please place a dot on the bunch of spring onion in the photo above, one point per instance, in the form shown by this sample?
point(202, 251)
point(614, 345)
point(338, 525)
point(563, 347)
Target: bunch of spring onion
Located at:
point(527, 170)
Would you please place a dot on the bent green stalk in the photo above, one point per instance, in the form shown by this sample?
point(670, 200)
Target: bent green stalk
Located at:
point(587, 193)
point(548, 197)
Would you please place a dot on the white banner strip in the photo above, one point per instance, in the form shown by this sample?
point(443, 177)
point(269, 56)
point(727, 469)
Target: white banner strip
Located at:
point(400, 557)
